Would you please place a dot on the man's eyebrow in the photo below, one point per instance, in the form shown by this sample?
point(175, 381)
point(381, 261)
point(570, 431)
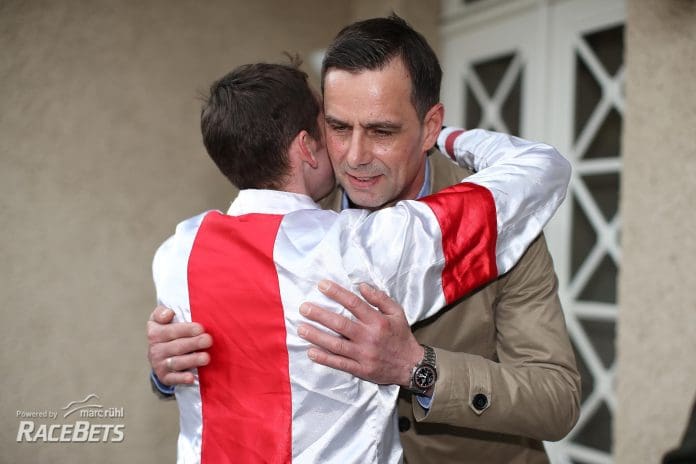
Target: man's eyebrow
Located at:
point(334, 121)
point(382, 125)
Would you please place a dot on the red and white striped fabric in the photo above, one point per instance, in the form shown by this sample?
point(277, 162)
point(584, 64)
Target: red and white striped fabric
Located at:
point(243, 275)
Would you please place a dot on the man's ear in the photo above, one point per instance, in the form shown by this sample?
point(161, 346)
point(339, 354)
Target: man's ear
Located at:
point(306, 147)
point(433, 124)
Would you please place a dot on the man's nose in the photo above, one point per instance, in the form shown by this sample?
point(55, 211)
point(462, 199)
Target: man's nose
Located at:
point(359, 153)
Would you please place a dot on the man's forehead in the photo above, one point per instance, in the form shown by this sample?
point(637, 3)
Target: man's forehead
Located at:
point(396, 62)
point(393, 73)
point(350, 96)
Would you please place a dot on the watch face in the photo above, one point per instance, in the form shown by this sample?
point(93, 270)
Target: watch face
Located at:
point(424, 377)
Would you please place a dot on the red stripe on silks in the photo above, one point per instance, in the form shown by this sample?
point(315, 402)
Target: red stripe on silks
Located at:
point(449, 143)
point(234, 294)
point(467, 217)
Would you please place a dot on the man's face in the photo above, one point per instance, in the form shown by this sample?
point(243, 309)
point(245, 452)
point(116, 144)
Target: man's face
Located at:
point(375, 139)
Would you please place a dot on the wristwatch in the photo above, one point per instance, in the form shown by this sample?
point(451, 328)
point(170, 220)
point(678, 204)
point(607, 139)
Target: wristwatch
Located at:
point(424, 374)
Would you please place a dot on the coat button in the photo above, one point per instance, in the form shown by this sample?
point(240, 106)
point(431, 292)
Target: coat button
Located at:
point(480, 402)
point(404, 424)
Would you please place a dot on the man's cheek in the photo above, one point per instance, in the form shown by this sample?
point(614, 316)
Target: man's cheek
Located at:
point(336, 149)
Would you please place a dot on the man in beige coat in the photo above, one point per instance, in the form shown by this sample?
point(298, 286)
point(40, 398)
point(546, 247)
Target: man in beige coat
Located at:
point(506, 374)
point(507, 377)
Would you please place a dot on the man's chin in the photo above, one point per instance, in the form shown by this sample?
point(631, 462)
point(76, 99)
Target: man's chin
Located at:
point(364, 200)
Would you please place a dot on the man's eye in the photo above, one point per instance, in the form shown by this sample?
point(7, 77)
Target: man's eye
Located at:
point(382, 133)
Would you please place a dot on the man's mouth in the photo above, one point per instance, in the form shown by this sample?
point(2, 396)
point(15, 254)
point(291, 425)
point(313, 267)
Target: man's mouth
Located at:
point(362, 181)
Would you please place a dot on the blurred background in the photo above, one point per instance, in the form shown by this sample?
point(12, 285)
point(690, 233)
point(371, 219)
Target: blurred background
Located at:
point(101, 156)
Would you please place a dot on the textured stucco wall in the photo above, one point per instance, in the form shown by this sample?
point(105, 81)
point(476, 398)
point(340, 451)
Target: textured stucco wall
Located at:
point(100, 157)
point(656, 380)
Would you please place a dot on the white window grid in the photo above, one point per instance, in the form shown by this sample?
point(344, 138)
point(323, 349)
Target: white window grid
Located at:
point(543, 59)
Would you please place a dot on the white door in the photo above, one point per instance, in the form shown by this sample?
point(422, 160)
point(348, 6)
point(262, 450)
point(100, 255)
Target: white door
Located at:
point(553, 71)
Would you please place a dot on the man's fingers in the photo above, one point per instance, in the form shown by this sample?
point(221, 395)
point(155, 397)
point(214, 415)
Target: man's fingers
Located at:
point(178, 347)
point(162, 315)
point(349, 300)
point(379, 299)
point(325, 358)
point(328, 342)
point(173, 368)
point(176, 378)
point(329, 319)
point(159, 333)
point(186, 362)
point(184, 330)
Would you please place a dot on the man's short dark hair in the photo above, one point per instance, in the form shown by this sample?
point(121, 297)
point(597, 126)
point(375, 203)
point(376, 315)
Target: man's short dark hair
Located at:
point(250, 118)
point(372, 44)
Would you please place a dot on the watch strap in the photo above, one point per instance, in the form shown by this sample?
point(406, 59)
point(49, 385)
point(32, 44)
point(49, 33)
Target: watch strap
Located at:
point(428, 363)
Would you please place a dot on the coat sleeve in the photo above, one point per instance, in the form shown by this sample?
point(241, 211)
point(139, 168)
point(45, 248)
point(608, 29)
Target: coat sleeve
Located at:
point(533, 389)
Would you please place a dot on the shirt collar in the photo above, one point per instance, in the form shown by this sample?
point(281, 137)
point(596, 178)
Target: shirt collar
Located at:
point(269, 202)
point(424, 191)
